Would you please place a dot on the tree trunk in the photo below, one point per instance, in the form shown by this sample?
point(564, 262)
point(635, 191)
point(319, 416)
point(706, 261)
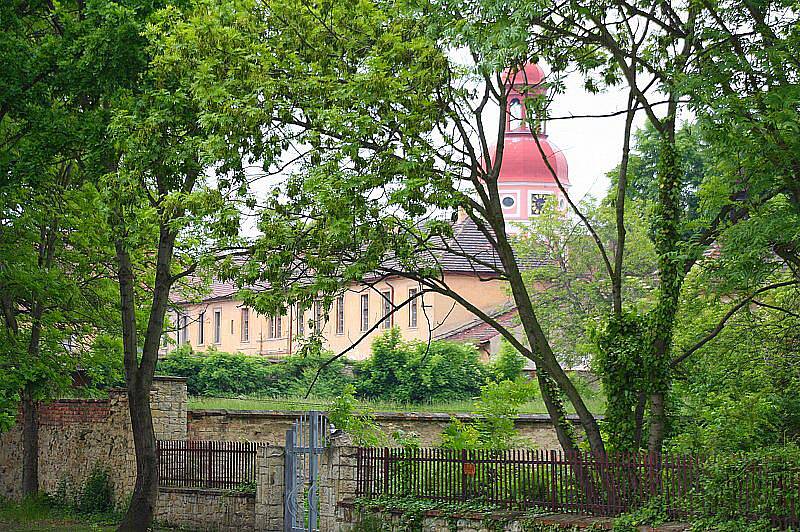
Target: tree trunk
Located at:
point(139, 375)
point(670, 271)
point(544, 358)
point(555, 409)
point(30, 444)
point(30, 417)
point(139, 515)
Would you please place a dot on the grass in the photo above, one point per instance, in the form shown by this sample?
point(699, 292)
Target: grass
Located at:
point(40, 514)
point(595, 404)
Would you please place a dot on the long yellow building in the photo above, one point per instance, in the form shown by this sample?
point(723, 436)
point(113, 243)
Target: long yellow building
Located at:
point(221, 319)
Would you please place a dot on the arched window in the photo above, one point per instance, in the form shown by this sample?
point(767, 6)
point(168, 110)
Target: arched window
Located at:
point(515, 115)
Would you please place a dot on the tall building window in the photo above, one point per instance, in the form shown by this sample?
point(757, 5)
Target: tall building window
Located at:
point(536, 107)
point(364, 312)
point(317, 316)
point(340, 315)
point(217, 325)
point(183, 329)
point(275, 327)
point(301, 321)
point(201, 328)
point(412, 308)
point(514, 115)
point(245, 325)
point(386, 298)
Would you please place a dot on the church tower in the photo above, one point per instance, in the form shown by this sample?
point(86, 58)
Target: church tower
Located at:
point(526, 182)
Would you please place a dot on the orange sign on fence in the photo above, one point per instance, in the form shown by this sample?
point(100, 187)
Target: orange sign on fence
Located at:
point(469, 469)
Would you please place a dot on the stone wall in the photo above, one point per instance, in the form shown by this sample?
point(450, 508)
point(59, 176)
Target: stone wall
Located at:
point(337, 481)
point(77, 435)
point(205, 509)
point(268, 426)
point(348, 516)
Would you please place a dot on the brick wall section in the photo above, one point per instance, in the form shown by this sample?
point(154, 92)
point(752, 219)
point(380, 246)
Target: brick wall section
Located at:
point(205, 509)
point(268, 426)
point(66, 411)
point(76, 436)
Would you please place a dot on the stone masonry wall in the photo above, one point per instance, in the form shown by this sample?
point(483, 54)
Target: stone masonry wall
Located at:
point(77, 435)
point(337, 482)
point(349, 517)
point(197, 509)
point(270, 426)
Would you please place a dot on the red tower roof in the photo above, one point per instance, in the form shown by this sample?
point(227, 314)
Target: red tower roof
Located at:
point(530, 74)
point(523, 161)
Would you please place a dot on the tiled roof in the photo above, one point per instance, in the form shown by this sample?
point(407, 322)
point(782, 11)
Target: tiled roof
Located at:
point(193, 291)
point(468, 251)
point(478, 331)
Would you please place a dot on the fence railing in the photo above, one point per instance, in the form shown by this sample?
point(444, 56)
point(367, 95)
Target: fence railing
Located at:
point(206, 464)
point(577, 482)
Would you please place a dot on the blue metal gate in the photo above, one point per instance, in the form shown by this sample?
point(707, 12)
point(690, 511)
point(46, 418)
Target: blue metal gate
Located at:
point(305, 442)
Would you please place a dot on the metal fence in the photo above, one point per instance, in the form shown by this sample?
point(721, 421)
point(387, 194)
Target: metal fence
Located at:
point(577, 482)
point(207, 464)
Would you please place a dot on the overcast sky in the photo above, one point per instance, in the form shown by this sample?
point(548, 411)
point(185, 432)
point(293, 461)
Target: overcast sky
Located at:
point(593, 146)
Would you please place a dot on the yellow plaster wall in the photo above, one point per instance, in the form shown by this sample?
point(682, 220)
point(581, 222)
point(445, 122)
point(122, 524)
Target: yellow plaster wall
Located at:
point(443, 314)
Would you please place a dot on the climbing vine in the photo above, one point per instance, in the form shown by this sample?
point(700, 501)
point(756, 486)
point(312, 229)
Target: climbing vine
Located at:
point(622, 344)
point(665, 222)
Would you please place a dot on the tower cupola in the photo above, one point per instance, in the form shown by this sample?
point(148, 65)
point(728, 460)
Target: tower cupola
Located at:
point(530, 160)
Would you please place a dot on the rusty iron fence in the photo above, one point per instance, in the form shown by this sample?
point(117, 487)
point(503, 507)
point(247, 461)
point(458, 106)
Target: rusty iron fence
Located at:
point(578, 482)
point(206, 464)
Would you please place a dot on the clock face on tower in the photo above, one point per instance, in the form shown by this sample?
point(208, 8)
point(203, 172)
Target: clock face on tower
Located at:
point(537, 203)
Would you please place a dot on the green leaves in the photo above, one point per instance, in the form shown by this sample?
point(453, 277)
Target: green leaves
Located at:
point(413, 372)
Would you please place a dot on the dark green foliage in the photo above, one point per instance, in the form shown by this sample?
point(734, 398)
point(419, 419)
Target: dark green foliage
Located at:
point(770, 471)
point(416, 372)
point(739, 392)
point(97, 494)
point(103, 362)
point(622, 349)
point(693, 160)
point(182, 362)
point(215, 374)
point(95, 497)
point(406, 372)
point(508, 364)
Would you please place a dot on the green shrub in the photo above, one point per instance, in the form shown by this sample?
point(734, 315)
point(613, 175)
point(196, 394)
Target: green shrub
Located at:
point(414, 371)
point(497, 407)
point(97, 495)
point(360, 425)
point(508, 364)
point(182, 362)
point(460, 436)
point(224, 374)
point(769, 474)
